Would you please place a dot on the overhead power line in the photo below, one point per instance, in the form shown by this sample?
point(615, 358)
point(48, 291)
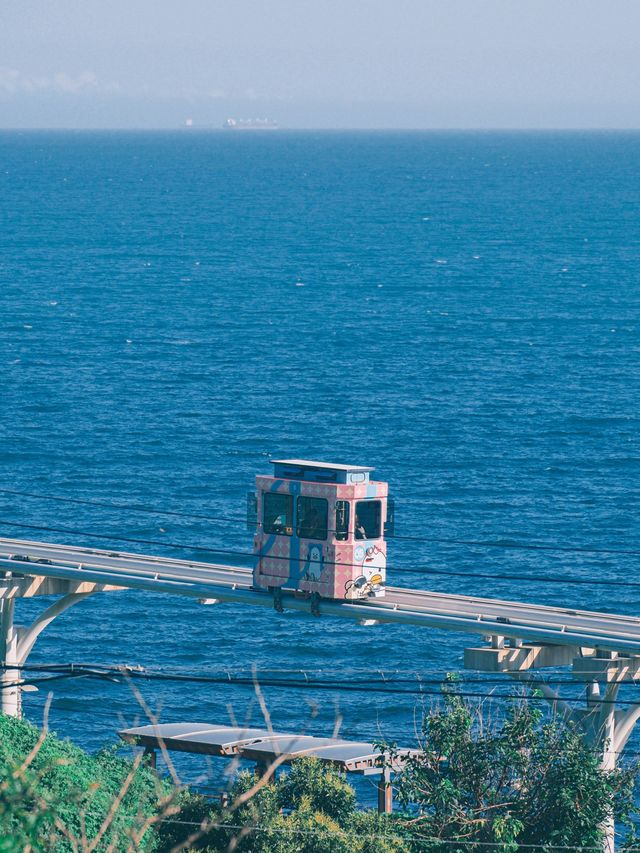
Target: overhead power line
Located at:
point(285, 677)
point(218, 825)
point(119, 712)
point(120, 506)
point(441, 540)
point(420, 688)
point(420, 839)
point(419, 570)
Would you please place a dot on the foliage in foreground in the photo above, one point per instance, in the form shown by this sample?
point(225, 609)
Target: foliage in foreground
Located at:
point(55, 796)
point(311, 809)
point(521, 781)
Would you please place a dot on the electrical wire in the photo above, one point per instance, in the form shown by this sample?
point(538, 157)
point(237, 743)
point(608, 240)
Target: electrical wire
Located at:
point(451, 689)
point(302, 676)
point(343, 672)
point(475, 543)
point(417, 570)
point(113, 674)
point(495, 845)
point(216, 826)
point(35, 700)
point(127, 507)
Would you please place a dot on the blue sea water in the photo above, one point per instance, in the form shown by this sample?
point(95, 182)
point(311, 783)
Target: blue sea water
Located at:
point(460, 310)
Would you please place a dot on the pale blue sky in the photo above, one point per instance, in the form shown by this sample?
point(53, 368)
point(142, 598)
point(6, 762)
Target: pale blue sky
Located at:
point(328, 63)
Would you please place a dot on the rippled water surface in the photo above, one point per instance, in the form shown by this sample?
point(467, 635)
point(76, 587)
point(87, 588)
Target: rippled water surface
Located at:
point(459, 310)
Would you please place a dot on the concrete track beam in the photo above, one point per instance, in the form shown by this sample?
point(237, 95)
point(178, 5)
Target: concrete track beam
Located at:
point(518, 658)
point(606, 669)
point(28, 586)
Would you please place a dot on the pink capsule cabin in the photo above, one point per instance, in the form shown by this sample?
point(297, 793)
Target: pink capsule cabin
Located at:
point(320, 529)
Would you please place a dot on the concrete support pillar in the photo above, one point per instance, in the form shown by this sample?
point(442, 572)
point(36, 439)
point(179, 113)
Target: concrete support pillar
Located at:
point(606, 727)
point(608, 745)
point(385, 792)
point(599, 723)
point(593, 694)
point(10, 697)
point(16, 642)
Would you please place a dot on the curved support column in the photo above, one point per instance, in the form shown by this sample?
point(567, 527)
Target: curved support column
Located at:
point(608, 726)
point(605, 729)
point(563, 707)
point(608, 745)
point(625, 726)
point(28, 636)
point(600, 725)
point(16, 642)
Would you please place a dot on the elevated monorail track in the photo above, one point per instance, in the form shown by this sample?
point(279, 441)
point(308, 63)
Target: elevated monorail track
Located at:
point(90, 570)
point(602, 648)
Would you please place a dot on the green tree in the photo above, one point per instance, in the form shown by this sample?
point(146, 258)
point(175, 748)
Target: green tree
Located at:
point(55, 796)
point(521, 782)
point(525, 780)
point(311, 809)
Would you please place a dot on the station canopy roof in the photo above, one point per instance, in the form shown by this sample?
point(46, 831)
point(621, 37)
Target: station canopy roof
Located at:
point(261, 745)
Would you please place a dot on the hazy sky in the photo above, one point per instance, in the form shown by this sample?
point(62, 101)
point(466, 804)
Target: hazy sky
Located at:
point(320, 63)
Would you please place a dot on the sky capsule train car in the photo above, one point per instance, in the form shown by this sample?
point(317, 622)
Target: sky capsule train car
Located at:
point(320, 530)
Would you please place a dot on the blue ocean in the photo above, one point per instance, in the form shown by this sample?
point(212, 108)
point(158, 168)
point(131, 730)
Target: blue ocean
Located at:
point(459, 310)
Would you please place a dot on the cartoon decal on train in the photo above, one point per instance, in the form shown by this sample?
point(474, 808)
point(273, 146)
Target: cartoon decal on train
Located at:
point(320, 530)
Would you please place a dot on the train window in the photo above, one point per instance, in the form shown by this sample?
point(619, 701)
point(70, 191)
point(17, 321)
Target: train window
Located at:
point(342, 520)
point(312, 518)
point(277, 514)
point(368, 515)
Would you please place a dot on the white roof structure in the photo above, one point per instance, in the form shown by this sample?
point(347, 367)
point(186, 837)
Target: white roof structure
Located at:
point(261, 745)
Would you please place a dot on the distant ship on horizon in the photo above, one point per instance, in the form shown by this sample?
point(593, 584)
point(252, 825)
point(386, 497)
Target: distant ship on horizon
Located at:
point(250, 124)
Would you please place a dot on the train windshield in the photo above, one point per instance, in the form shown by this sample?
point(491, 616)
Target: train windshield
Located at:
point(368, 517)
point(277, 514)
point(312, 518)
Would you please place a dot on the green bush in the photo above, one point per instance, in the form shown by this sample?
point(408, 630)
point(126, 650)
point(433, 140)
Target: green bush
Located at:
point(66, 794)
point(311, 809)
point(319, 789)
point(522, 781)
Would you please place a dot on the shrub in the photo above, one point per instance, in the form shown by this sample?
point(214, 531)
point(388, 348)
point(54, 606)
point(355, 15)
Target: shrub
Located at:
point(65, 794)
point(523, 781)
point(312, 809)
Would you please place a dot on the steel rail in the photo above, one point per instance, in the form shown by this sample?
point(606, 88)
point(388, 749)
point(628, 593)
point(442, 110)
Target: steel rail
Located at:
point(461, 613)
